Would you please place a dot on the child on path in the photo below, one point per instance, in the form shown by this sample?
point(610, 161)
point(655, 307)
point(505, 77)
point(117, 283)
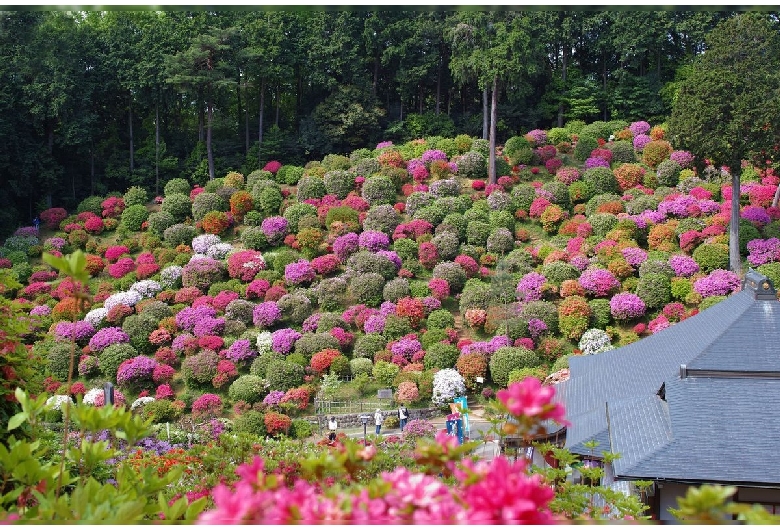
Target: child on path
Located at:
point(403, 416)
point(332, 425)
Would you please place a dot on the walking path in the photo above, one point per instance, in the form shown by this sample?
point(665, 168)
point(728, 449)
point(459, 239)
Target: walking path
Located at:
point(478, 426)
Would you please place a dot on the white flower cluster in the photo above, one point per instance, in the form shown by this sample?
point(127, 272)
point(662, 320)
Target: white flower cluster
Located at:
point(202, 243)
point(219, 251)
point(197, 257)
point(56, 402)
point(264, 342)
point(169, 276)
point(128, 298)
point(447, 385)
point(92, 395)
point(96, 316)
point(146, 288)
point(141, 401)
point(595, 341)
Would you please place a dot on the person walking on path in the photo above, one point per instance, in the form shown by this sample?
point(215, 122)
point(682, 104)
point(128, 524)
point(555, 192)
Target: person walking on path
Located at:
point(403, 416)
point(332, 426)
point(378, 420)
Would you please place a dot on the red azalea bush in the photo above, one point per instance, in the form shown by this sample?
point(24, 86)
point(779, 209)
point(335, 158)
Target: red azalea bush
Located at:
point(299, 396)
point(321, 361)
point(52, 217)
point(208, 405)
point(276, 423)
point(113, 207)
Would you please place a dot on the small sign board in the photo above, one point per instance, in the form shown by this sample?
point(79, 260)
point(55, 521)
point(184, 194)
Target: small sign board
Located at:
point(384, 393)
point(480, 379)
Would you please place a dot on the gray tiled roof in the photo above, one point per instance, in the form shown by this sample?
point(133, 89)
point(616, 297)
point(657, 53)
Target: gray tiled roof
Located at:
point(640, 368)
point(712, 431)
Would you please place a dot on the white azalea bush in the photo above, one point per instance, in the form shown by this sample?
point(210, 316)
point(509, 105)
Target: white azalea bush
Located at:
point(595, 341)
point(447, 385)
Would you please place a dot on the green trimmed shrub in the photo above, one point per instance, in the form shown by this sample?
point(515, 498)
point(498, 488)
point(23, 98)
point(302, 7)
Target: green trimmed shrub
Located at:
point(134, 216)
point(311, 343)
point(206, 202)
point(178, 205)
point(509, 358)
point(177, 185)
point(711, 256)
point(261, 363)
point(311, 187)
point(367, 345)
point(339, 183)
point(585, 144)
point(295, 213)
point(360, 366)
point(378, 190)
point(252, 237)
point(301, 429)
point(440, 319)
point(58, 360)
point(440, 356)
point(655, 290)
point(284, 375)
point(668, 173)
point(601, 180)
point(110, 358)
point(622, 152)
point(395, 289)
point(710, 301)
point(601, 315)
point(518, 150)
point(382, 218)
point(249, 388)
point(91, 204)
point(250, 422)
point(385, 373)
point(289, 175)
point(135, 195)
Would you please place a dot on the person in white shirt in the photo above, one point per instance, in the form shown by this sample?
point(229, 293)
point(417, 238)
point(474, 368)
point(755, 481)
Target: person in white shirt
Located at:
point(403, 416)
point(378, 420)
point(332, 425)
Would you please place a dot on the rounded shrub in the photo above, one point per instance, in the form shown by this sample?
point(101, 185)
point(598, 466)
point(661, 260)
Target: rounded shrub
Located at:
point(110, 358)
point(176, 185)
point(134, 216)
point(378, 190)
point(249, 388)
point(585, 144)
point(360, 366)
point(311, 187)
point(622, 152)
point(367, 345)
point(339, 183)
point(296, 212)
point(250, 422)
point(711, 256)
point(655, 290)
point(440, 356)
point(509, 358)
point(158, 222)
point(284, 375)
point(385, 373)
point(253, 237)
point(206, 202)
point(382, 218)
point(668, 173)
point(601, 180)
point(440, 319)
point(367, 288)
point(178, 205)
point(518, 150)
point(58, 360)
point(135, 195)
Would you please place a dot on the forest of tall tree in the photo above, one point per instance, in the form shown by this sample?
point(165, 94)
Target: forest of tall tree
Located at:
point(97, 101)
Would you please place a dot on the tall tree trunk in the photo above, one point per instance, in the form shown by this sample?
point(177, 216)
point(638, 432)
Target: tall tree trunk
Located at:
point(493, 122)
point(157, 147)
point(564, 73)
point(604, 78)
point(438, 84)
point(376, 75)
point(209, 152)
point(201, 119)
point(776, 197)
point(420, 97)
point(246, 123)
point(130, 121)
point(91, 169)
point(260, 121)
point(485, 123)
point(277, 99)
point(734, 261)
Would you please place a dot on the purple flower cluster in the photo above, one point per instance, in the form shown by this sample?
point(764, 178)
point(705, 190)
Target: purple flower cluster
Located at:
point(684, 158)
point(580, 262)
point(385, 144)
point(346, 245)
point(283, 340)
point(755, 214)
point(683, 265)
point(634, 256)
point(55, 243)
point(106, 337)
point(266, 314)
point(627, 306)
point(598, 282)
point(761, 251)
point(387, 309)
point(529, 288)
point(539, 136)
point(639, 127)
point(241, 350)
point(678, 206)
point(209, 326)
point(374, 324)
point(536, 327)
point(433, 154)
point(718, 283)
point(392, 256)
point(596, 161)
point(487, 348)
point(299, 272)
point(406, 347)
point(78, 331)
point(274, 228)
point(708, 206)
point(374, 240)
point(40, 310)
point(188, 317)
point(640, 141)
point(180, 342)
point(431, 303)
point(136, 370)
point(274, 397)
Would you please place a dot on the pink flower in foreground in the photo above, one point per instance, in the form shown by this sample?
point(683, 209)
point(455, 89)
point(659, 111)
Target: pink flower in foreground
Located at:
point(532, 400)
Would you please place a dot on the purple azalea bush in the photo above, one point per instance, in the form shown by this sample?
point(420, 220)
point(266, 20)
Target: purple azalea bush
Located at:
point(529, 288)
point(266, 314)
point(283, 340)
point(598, 282)
point(627, 306)
point(761, 251)
point(717, 283)
point(106, 337)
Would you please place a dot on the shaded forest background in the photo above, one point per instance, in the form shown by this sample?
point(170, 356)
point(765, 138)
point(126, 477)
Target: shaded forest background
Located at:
point(95, 102)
